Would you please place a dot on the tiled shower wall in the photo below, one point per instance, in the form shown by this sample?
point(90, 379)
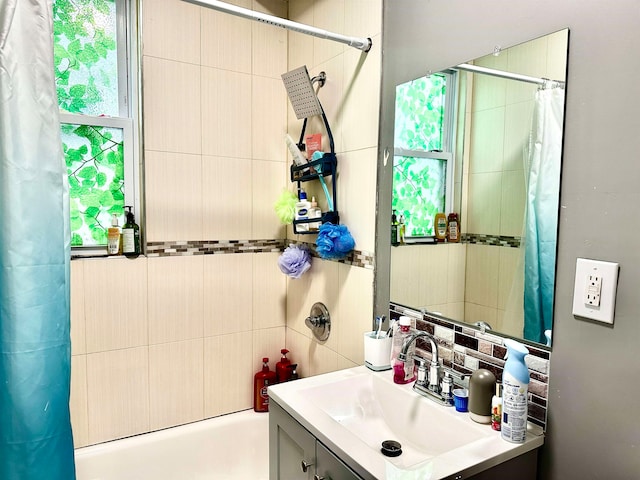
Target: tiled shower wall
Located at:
point(467, 349)
point(175, 336)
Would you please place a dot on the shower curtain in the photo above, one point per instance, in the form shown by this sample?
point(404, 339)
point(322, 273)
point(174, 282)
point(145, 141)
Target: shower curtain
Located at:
point(35, 427)
point(542, 212)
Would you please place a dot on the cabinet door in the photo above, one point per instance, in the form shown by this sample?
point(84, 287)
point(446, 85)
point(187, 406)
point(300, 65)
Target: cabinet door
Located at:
point(331, 467)
point(291, 447)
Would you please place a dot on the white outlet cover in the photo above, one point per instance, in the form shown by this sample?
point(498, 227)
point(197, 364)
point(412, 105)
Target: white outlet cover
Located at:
point(608, 272)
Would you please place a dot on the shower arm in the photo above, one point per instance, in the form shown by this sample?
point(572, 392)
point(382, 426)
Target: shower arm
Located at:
point(321, 78)
point(363, 44)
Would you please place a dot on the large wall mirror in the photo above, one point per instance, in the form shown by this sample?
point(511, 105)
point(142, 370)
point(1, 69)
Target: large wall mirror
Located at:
point(482, 139)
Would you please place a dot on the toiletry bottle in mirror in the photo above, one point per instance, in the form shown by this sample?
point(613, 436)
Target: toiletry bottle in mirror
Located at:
point(453, 228)
point(130, 236)
point(440, 226)
point(114, 246)
point(401, 229)
point(394, 228)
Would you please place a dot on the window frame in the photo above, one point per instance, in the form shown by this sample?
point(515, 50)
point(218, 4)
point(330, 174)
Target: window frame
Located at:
point(447, 153)
point(129, 115)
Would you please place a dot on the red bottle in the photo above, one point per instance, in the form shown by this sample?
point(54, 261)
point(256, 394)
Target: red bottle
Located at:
point(282, 372)
point(261, 381)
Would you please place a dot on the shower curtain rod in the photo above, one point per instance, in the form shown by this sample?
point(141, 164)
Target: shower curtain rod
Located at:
point(512, 76)
point(363, 44)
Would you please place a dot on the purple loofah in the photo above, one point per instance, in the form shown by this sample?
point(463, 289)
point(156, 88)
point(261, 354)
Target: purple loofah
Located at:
point(334, 241)
point(294, 261)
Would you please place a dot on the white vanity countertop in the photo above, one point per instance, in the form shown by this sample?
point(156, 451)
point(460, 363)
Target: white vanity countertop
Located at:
point(462, 461)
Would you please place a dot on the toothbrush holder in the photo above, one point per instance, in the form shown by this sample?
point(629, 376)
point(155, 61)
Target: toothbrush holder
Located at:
point(377, 351)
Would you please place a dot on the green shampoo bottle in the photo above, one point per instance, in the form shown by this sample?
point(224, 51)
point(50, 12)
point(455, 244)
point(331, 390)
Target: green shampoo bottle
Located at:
point(130, 236)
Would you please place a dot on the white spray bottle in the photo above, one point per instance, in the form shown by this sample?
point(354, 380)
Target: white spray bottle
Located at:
point(515, 387)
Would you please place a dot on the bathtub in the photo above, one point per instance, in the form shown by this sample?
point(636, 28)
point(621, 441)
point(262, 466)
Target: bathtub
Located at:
point(229, 447)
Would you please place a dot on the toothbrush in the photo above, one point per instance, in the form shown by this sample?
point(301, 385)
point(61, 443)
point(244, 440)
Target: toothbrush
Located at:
point(379, 321)
point(317, 156)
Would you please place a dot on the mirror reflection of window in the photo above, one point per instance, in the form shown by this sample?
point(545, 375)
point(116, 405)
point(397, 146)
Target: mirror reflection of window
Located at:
point(423, 151)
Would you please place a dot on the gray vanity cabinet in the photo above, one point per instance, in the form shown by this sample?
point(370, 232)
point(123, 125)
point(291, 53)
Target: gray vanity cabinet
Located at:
point(295, 454)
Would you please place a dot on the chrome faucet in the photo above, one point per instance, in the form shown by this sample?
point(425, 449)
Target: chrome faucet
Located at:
point(429, 384)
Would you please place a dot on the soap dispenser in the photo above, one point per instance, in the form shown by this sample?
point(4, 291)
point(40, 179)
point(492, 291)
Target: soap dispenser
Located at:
point(130, 236)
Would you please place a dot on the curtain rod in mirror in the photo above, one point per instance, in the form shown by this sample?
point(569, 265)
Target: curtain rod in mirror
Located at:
point(512, 76)
point(363, 44)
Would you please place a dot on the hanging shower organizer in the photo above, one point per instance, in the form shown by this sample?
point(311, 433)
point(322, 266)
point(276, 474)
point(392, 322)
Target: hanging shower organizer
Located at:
point(305, 103)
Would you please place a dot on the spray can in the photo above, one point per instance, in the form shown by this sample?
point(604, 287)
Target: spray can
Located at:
point(515, 387)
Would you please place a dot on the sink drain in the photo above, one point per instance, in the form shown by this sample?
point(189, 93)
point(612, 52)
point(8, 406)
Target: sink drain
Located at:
point(391, 448)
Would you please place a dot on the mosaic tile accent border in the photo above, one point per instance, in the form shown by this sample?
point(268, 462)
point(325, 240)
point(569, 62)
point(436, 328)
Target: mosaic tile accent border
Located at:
point(356, 258)
point(212, 247)
point(498, 240)
point(467, 349)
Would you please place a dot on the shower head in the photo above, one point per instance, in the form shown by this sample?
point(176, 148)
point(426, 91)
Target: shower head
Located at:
point(301, 94)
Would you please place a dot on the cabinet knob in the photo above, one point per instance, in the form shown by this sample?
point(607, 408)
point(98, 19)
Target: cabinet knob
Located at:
point(305, 466)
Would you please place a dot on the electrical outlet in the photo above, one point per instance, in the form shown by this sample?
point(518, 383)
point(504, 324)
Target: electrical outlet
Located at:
point(593, 290)
point(594, 294)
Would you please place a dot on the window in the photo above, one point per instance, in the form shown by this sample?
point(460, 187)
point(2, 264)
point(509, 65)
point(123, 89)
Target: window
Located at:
point(423, 151)
point(94, 85)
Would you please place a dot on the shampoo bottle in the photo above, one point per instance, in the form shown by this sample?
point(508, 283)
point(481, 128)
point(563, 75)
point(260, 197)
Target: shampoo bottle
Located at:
point(496, 408)
point(282, 372)
point(302, 211)
point(130, 236)
point(515, 386)
point(261, 381)
point(403, 372)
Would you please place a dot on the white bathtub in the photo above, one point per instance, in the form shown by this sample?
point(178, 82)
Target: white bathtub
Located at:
point(230, 447)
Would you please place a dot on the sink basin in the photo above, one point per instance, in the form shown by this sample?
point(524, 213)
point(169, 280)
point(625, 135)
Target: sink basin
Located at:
point(353, 411)
point(375, 410)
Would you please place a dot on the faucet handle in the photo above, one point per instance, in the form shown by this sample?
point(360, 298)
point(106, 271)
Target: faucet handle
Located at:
point(421, 364)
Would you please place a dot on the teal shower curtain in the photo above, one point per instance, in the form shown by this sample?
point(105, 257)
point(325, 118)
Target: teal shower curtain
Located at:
point(542, 212)
point(35, 427)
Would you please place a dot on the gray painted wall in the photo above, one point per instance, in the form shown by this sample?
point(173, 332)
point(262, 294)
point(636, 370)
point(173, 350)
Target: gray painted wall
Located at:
point(594, 428)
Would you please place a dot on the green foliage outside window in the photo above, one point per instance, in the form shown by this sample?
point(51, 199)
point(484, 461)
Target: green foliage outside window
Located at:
point(419, 184)
point(86, 68)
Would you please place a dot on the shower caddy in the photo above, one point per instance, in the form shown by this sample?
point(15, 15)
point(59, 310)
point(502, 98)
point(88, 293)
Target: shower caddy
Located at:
point(324, 166)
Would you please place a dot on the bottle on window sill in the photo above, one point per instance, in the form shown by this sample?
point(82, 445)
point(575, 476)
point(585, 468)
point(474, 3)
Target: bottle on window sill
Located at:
point(130, 236)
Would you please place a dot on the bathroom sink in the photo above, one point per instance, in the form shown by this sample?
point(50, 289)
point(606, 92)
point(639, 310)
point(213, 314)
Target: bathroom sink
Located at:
point(353, 411)
point(375, 409)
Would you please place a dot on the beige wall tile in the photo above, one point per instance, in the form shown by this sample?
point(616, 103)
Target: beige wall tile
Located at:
point(118, 393)
point(322, 359)
point(226, 39)
point(226, 198)
point(78, 330)
point(173, 191)
point(512, 208)
point(494, 89)
point(487, 139)
point(357, 206)
point(78, 401)
point(176, 298)
point(269, 179)
point(226, 113)
point(362, 89)
point(269, 291)
point(557, 55)
point(511, 279)
point(228, 373)
point(172, 106)
point(228, 294)
point(300, 46)
point(354, 314)
point(116, 311)
point(267, 342)
point(485, 197)
point(268, 118)
point(269, 44)
point(300, 347)
point(364, 18)
point(176, 373)
point(483, 263)
point(456, 272)
point(517, 127)
point(171, 30)
point(328, 15)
